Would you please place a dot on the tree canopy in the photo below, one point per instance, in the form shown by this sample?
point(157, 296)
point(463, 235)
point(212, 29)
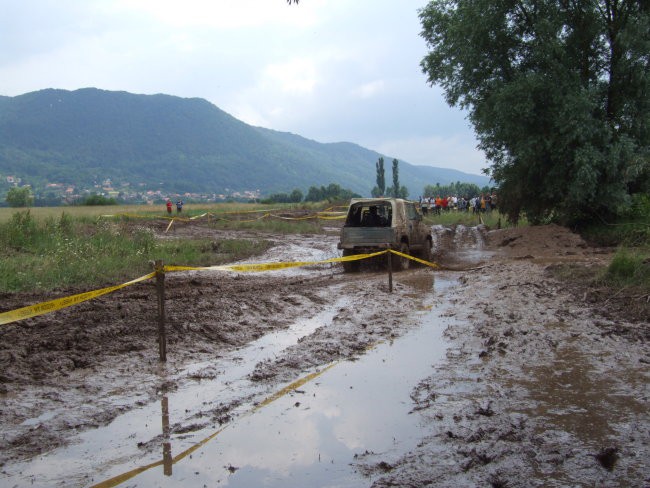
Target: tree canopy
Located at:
point(20, 196)
point(558, 92)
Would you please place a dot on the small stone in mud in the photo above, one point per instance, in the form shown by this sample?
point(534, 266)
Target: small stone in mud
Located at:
point(384, 466)
point(487, 411)
point(607, 457)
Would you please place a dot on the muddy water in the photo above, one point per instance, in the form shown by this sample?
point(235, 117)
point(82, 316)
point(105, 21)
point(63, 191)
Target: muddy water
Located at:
point(310, 435)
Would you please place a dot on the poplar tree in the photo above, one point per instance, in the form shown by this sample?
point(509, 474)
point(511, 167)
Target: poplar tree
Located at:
point(381, 177)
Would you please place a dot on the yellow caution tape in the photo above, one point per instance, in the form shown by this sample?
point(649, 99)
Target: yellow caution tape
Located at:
point(255, 267)
point(413, 258)
point(59, 303)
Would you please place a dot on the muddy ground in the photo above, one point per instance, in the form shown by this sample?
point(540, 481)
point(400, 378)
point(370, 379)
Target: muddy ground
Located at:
point(545, 381)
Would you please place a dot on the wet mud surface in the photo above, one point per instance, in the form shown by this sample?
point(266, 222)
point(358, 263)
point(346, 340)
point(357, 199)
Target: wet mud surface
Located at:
point(544, 383)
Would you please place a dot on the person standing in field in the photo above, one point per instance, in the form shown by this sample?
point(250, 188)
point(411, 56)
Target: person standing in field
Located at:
point(169, 206)
point(179, 206)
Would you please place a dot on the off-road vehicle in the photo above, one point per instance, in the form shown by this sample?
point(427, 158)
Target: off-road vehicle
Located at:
point(375, 224)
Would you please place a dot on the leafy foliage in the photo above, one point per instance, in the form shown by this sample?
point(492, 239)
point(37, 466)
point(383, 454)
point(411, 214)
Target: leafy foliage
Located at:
point(294, 197)
point(381, 177)
point(333, 193)
point(20, 196)
point(558, 94)
point(98, 200)
point(467, 190)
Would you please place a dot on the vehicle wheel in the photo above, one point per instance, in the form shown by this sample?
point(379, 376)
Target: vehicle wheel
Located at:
point(350, 266)
point(427, 251)
point(400, 263)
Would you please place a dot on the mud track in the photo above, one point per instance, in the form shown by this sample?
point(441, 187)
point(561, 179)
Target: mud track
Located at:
point(544, 385)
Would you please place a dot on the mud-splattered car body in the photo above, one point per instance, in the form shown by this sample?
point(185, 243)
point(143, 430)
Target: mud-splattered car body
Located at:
point(374, 224)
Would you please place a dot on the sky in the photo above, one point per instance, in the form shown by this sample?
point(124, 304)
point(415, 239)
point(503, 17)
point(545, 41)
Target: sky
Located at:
point(327, 70)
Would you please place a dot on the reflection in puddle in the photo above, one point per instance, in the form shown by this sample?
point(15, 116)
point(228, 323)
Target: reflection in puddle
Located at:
point(308, 437)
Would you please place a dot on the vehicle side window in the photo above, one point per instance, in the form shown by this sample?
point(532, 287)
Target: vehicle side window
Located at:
point(411, 213)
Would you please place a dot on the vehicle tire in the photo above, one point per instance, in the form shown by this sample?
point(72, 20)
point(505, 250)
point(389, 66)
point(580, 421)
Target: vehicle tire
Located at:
point(350, 266)
point(427, 251)
point(400, 263)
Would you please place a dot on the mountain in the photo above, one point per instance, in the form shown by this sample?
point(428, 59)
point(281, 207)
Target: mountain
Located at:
point(86, 136)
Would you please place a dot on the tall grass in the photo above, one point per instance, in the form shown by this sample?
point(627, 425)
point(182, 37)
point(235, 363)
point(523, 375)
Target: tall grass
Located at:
point(81, 252)
point(629, 267)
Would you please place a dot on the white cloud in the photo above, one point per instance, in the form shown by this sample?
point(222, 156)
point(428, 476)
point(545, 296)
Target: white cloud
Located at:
point(330, 70)
point(369, 90)
point(296, 76)
point(222, 14)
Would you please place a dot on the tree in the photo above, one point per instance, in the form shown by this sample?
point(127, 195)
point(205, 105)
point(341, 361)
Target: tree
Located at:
point(558, 93)
point(20, 196)
point(396, 187)
point(381, 177)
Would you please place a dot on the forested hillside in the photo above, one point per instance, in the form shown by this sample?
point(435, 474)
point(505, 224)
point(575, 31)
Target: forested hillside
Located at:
point(86, 136)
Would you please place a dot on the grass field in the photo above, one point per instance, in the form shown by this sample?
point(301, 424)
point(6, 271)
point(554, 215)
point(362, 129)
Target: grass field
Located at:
point(150, 211)
point(493, 219)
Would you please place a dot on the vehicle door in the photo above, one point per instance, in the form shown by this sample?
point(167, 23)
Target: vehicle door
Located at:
point(417, 229)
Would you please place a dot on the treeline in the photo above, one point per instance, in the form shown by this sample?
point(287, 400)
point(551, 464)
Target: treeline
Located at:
point(333, 192)
point(467, 190)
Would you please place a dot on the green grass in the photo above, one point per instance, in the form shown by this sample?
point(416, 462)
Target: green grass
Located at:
point(84, 252)
point(629, 267)
point(492, 220)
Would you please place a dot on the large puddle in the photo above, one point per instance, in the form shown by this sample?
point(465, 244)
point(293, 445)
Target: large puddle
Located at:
point(305, 435)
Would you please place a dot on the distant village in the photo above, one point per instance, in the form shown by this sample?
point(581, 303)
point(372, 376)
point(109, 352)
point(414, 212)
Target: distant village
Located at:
point(52, 194)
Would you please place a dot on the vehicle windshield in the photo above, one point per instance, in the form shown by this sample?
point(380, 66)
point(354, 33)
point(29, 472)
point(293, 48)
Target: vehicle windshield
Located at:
point(370, 214)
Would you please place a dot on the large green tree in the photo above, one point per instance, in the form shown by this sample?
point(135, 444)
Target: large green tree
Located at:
point(558, 93)
point(20, 196)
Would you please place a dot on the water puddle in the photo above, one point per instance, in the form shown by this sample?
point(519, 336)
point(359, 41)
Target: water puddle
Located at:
point(306, 435)
point(311, 436)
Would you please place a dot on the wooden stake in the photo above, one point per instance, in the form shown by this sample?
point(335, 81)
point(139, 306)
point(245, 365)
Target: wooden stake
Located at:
point(390, 271)
point(160, 288)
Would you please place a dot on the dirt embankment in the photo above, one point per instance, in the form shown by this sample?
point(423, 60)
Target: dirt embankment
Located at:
point(545, 382)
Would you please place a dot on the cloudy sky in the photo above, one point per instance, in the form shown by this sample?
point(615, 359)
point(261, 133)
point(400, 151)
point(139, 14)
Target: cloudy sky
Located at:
point(328, 70)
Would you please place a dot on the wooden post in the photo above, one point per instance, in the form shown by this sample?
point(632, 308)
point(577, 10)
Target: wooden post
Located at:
point(390, 271)
point(160, 288)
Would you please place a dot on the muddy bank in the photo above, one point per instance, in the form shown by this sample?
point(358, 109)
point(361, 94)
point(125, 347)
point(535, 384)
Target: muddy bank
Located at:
point(539, 389)
point(542, 385)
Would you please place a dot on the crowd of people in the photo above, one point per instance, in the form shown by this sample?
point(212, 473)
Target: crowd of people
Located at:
point(485, 202)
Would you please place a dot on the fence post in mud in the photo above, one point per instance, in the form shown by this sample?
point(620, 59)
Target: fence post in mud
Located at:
point(389, 259)
point(160, 289)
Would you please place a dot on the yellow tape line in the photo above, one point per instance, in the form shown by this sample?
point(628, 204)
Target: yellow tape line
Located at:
point(413, 258)
point(169, 226)
point(255, 267)
point(59, 303)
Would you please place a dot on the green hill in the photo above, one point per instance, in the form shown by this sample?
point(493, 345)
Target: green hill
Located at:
point(176, 144)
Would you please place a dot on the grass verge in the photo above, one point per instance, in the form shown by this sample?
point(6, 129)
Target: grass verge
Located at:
point(84, 252)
